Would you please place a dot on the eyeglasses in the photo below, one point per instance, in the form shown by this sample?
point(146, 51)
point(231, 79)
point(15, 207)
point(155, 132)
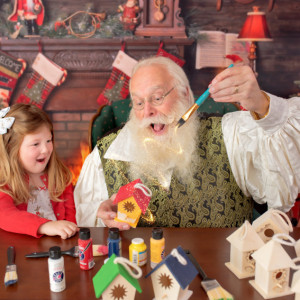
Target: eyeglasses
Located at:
point(155, 99)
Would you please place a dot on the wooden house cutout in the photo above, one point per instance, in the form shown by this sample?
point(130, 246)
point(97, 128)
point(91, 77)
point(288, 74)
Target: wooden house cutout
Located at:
point(271, 222)
point(133, 200)
point(172, 276)
point(243, 242)
point(114, 282)
point(296, 285)
point(272, 270)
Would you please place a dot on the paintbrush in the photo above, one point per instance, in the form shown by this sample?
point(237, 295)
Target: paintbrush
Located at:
point(212, 287)
point(194, 107)
point(74, 252)
point(98, 250)
point(11, 276)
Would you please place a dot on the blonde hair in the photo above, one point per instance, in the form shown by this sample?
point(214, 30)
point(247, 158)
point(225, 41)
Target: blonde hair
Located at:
point(180, 79)
point(13, 177)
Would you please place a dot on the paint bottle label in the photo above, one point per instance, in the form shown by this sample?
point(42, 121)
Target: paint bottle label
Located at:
point(56, 270)
point(138, 252)
point(85, 246)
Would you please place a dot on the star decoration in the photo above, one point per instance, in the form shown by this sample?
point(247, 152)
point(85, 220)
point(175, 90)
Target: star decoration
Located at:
point(118, 292)
point(165, 281)
point(129, 207)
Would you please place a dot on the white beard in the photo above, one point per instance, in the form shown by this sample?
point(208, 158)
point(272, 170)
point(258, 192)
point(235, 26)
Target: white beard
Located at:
point(172, 151)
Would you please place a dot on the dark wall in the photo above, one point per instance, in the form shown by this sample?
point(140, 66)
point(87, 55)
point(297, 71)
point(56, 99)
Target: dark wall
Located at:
point(278, 63)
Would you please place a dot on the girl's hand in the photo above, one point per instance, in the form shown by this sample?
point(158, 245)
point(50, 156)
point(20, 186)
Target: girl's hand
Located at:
point(63, 228)
point(106, 212)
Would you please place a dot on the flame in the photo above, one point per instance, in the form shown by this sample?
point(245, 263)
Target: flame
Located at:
point(76, 168)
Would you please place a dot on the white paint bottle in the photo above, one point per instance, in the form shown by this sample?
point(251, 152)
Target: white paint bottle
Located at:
point(56, 270)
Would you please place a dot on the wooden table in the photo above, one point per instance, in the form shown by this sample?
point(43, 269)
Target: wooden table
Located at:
point(209, 246)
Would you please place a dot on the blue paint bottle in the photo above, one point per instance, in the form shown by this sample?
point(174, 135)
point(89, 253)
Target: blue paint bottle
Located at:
point(114, 242)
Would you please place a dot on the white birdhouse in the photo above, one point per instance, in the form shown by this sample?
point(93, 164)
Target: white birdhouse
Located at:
point(272, 270)
point(243, 242)
point(172, 276)
point(271, 222)
point(296, 285)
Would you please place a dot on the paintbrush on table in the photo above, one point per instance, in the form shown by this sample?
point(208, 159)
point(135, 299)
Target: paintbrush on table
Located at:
point(74, 252)
point(11, 276)
point(212, 287)
point(98, 250)
point(194, 107)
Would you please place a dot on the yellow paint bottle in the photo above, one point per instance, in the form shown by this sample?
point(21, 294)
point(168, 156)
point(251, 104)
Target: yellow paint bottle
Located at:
point(138, 252)
point(157, 247)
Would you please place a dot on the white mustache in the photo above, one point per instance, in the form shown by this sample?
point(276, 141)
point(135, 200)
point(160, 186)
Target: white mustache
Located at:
point(160, 119)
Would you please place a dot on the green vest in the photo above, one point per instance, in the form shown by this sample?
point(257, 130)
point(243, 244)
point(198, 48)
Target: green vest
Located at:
point(211, 199)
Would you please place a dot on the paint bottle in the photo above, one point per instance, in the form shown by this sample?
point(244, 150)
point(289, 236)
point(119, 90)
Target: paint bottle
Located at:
point(114, 242)
point(157, 247)
point(138, 252)
point(56, 269)
point(85, 245)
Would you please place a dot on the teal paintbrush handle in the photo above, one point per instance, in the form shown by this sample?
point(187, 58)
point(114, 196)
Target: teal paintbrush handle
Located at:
point(205, 95)
point(202, 98)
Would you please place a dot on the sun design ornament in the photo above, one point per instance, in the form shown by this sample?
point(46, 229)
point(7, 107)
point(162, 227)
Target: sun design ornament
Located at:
point(165, 281)
point(129, 207)
point(118, 292)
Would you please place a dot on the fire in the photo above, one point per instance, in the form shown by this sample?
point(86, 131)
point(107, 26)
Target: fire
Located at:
point(75, 169)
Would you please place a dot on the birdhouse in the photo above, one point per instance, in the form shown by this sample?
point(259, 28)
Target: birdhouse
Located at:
point(133, 200)
point(271, 222)
point(115, 280)
point(296, 285)
point(172, 276)
point(272, 270)
point(297, 248)
point(243, 242)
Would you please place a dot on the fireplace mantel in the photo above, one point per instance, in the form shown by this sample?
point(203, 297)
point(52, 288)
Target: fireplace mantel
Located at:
point(88, 62)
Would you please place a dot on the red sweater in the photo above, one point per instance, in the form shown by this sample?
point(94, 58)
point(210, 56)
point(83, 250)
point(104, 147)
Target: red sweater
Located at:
point(16, 218)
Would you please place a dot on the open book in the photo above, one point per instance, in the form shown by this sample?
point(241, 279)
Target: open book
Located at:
point(212, 50)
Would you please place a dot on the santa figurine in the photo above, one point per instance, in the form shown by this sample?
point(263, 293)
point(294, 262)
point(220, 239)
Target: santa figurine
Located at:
point(130, 12)
point(28, 14)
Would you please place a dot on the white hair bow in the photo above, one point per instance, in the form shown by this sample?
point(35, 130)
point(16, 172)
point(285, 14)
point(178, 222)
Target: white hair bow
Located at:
point(5, 123)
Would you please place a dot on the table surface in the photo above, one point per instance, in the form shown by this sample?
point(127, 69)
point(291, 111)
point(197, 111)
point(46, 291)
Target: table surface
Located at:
point(208, 245)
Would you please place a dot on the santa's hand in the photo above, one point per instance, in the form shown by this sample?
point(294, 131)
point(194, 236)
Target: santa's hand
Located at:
point(106, 212)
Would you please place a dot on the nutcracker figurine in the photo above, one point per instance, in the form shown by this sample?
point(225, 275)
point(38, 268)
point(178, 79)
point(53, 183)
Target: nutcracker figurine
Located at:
point(130, 12)
point(28, 14)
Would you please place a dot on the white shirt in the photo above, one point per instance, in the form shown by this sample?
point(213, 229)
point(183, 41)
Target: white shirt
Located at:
point(264, 156)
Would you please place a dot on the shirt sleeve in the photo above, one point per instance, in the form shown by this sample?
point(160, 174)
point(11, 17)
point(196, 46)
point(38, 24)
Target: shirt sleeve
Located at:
point(16, 218)
point(90, 191)
point(265, 155)
point(68, 198)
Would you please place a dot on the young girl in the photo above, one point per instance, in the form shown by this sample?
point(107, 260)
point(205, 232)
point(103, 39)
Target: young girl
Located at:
point(36, 195)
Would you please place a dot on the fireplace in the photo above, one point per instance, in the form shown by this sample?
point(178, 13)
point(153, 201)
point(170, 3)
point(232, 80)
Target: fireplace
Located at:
point(72, 105)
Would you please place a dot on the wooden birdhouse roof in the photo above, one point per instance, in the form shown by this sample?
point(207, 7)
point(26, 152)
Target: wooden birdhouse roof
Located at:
point(108, 273)
point(272, 256)
point(131, 190)
point(245, 238)
point(184, 274)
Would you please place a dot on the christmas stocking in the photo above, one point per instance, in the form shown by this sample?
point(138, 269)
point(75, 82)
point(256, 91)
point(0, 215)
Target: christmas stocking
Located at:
point(162, 52)
point(10, 70)
point(117, 85)
point(46, 75)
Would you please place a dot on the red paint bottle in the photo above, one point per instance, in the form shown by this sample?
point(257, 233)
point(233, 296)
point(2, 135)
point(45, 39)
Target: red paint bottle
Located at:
point(85, 245)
